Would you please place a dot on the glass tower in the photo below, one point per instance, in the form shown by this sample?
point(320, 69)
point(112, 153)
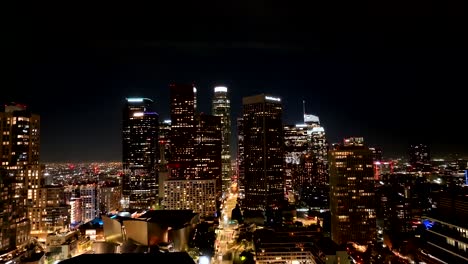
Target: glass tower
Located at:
point(222, 107)
point(263, 152)
point(140, 154)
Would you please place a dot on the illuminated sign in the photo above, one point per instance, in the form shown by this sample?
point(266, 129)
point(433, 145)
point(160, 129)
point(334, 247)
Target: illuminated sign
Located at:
point(134, 100)
point(301, 125)
point(273, 98)
point(137, 114)
point(220, 89)
point(167, 121)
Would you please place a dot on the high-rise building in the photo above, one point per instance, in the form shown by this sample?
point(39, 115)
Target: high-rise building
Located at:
point(21, 176)
point(140, 154)
point(55, 213)
point(208, 148)
point(183, 131)
point(109, 198)
point(195, 146)
point(263, 152)
point(222, 107)
point(352, 195)
point(240, 158)
point(296, 146)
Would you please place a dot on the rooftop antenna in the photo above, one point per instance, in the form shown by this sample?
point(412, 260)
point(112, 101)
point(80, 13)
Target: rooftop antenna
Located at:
point(303, 108)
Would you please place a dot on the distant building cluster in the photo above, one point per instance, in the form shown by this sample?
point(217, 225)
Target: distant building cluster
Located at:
point(300, 198)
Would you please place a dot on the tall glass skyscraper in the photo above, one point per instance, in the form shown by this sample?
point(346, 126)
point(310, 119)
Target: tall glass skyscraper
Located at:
point(140, 154)
point(222, 107)
point(183, 131)
point(263, 152)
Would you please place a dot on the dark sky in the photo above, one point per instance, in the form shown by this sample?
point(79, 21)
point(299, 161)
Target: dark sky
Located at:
point(393, 73)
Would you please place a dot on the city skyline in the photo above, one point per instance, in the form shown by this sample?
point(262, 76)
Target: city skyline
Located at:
point(388, 81)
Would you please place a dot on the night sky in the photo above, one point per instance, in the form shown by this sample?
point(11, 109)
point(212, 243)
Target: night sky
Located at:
point(392, 75)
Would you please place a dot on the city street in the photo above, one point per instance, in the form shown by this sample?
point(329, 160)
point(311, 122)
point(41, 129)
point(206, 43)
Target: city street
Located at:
point(226, 232)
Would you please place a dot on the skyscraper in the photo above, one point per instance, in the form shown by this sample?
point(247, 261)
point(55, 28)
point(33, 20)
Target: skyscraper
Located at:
point(296, 146)
point(140, 154)
point(195, 153)
point(222, 107)
point(208, 148)
point(263, 152)
point(20, 174)
point(240, 158)
point(352, 195)
point(183, 130)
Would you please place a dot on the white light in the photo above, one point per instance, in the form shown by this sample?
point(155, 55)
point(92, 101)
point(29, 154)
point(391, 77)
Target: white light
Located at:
point(318, 129)
point(194, 89)
point(136, 114)
point(220, 89)
point(311, 118)
point(134, 100)
point(301, 125)
point(167, 121)
point(273, 98)
point(204, 260)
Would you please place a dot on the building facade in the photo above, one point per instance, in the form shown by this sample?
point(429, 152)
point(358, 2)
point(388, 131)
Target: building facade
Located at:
point(196, 195)
point(352, 195)
point(221, 106)
point(140, 154)
point(21, 173)
point(183, 131)
point(263, 152)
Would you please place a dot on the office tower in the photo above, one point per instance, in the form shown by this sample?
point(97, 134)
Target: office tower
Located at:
point(296, 147)
point(140, 154)
point(419, 155)
point(240, 158)
point(263, 152)
point(398, 207)
point(317, 161)
point(208, 149)
point(21, 174)
point(164, 154)
point(222, 107)
point(195, 146)
point(164, 144)
point(352, 196)
point(183, 131)
point(55, 212)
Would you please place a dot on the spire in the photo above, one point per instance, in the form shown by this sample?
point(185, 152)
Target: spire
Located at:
point(303, 109)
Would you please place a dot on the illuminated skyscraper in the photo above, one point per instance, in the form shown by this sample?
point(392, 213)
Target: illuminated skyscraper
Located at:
point(183, 131)
point(20, 175)
point(263, 152)
point(296, 146)
point(352, 195)
point(222, 107)
point(208, 148)
point(240, 158)
point(140, 154)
